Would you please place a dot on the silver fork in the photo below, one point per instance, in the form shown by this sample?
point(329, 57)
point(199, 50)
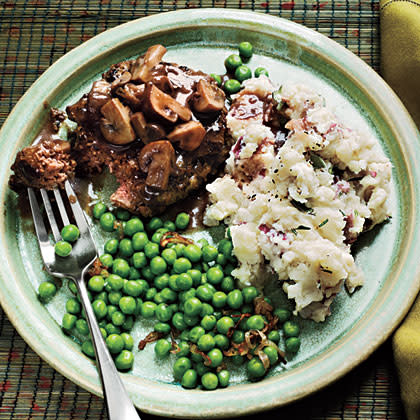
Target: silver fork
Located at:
point(75, 266)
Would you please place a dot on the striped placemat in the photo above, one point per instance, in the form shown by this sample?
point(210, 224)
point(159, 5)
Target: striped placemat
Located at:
point(35, 33)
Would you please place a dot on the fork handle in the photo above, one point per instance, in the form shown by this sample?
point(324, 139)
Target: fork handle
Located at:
point(118, 403)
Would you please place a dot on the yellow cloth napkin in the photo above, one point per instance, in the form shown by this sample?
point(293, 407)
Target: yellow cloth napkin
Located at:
point(400, 67)
point(400, 51)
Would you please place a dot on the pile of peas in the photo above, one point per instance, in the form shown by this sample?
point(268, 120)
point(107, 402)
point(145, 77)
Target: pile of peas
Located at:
point(186, 288)
point(235, 67)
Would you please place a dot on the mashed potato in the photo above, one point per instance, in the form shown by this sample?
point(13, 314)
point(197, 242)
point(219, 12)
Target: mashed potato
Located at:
point(299, 189)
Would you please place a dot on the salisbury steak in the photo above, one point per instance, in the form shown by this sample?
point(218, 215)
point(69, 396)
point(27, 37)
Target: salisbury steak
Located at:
point(158, 127)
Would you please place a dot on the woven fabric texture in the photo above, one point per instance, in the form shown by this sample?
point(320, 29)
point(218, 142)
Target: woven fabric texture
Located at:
point(34, 34)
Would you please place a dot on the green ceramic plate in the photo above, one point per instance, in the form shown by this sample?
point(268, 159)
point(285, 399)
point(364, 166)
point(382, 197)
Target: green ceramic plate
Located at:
point(388, 256)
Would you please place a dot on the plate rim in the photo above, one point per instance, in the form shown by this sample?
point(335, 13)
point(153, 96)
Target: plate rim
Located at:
point(165, 21)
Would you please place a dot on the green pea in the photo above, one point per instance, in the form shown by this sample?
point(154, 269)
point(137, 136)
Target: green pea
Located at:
point(155, 223)
point(196, 333)
point(228, 284)
point(146, 272)
point(162, 327)
point(209, 381)
point(260, 71)
point(291, 329)
point(162, 348)
point(179, 249)
point(168, 295)
point(208, 322)
point(180, 367)
point(214, 275)
point(243, 73)
point(182, 265)
point(126, 247)
point(223, 376)
point(183, 349)
point(158, 298)
point(221, 341)
point(249, 294)
point(219, 299)
point(217, 78)
point(106, 260)
point(124, 361)
point(235, 299)
point(178, 321)
point(189, 379)
point(70, 233)
point(255, 368)
point(255, 322)
point(157, 237)
point(82, 327)
point(139, 241)
point(111, 310)
point(121, 267)
point(169, 225)
point(112, 329)
point(115, 343)
point(96, 284)
point(209, 253)
point(163, 312)
point(158, 265)
point(151, 250)
point(63, 248)
point(184, 281)
point(192, 306)
point(232, 62)
point(205, 293)
point(150, 293)
point(238, 336)
point(191, 320)
point(221, 259)
point(292, 344)
point(228, 269)
point(274, 336)
point(206, 309)
point(169, 255)
point(206, 342)
point(72, 287)
point(134, 274)
point(272, 354)
point(100, 308)
point(148, 309)
point(118, 318)
point(224, 324)
point(245, 49)
point(127, 305)
point(182, 220)
point(201, 368)
point(114, 297)
point(282, 314)
point(232, 86)
point(69, 321)
point(139, 260)
point(172, 282)
point(192, 252)
point(107, 222)
point(216, 357)
point(185, 335)
point(133, 226)
point(98, 210)
point(87, 348)
point(47, 291)
point(237, 360)
point(195, 276)
point(161, 281)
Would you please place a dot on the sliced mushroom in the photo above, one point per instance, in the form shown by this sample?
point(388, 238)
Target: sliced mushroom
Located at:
point(139, 124)
point(157, 160)
point(99, 95)
point(141, 69)
point(147, 132)
point(208, 97)
point(118, 74)
point(116, 127)
point(189, 135)
point(159, 103)
point(133, 94)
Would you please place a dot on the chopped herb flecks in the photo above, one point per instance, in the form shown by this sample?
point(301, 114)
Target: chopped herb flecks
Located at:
point(323, 223)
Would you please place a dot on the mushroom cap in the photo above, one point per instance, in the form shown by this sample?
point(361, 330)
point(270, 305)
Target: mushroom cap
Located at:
point(116, 127)
point(189, 135)
point(208, 97)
